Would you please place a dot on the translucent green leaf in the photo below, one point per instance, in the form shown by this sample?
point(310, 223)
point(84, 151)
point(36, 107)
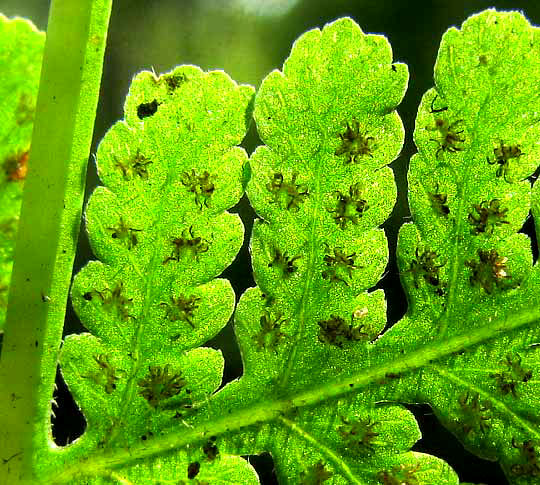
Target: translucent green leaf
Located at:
point(322, 187)
point(171, 168)
point(21, 50)
point(467, 270)
point(321, 386)
point(182, 469)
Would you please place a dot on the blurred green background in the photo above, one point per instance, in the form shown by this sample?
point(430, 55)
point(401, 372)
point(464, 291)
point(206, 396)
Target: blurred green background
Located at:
point(249, 38)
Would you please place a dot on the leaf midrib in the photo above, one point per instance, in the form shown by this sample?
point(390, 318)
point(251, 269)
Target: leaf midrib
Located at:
point(460, 241)
point(312, 240)
point(275, 409)
point(150, 292)
point(496, 402)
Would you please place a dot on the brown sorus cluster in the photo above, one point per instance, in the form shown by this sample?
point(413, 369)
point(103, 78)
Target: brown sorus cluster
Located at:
point(530, 466)
point(486, 216)
point(287, 194)
point(160, 384)
point(513, 374)
point(125, 234)
point(476, 415)
point(113, 300)
point(503, 154)
point(173, 81)
point(349, 208)
point(450, 138)
point(400, 475)
point(489, 271)
point(193, 469)
point(284, 262)
point(106, 375)
point(338, 265)
point(424, 266)
point(202, 186)
point(181, 308)
point(270, 334)
point(336, 331)
point(358, 434)
point(210, 449)
point(439, 202)
point(136, 166)
point(316, 474)
point(187, 243)
point(354, 143)
point(16, 166)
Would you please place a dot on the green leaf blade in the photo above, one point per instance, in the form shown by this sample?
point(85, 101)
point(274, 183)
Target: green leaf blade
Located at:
point(20, 64)
point(464, 265)
point(300, 177)
point(467, 180)
point(330, 129)
point(162, 233)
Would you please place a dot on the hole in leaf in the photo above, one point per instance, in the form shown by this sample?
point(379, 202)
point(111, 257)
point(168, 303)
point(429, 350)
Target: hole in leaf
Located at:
point(528, 229)
point(240, 281)
point(264, 466)
point(226, 342)
point(144, 110)
point(68, 422)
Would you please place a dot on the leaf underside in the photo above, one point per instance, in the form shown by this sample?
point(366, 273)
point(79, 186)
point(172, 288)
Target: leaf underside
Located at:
point(170, 170)
point(322, 187)
point(463, 261)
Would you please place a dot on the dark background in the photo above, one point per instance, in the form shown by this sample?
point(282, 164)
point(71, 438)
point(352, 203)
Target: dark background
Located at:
point(249, 38)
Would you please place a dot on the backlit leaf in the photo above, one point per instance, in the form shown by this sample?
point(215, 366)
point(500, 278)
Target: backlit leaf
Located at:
point(21, 49)
point(160, 229)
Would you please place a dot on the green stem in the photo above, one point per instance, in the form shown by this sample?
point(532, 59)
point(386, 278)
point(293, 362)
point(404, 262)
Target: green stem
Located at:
point(101, 464)
point(49, 226)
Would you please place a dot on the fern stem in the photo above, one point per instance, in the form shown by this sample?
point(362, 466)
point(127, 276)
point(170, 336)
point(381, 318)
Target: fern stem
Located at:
point(268, 411)
point(48, 231)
